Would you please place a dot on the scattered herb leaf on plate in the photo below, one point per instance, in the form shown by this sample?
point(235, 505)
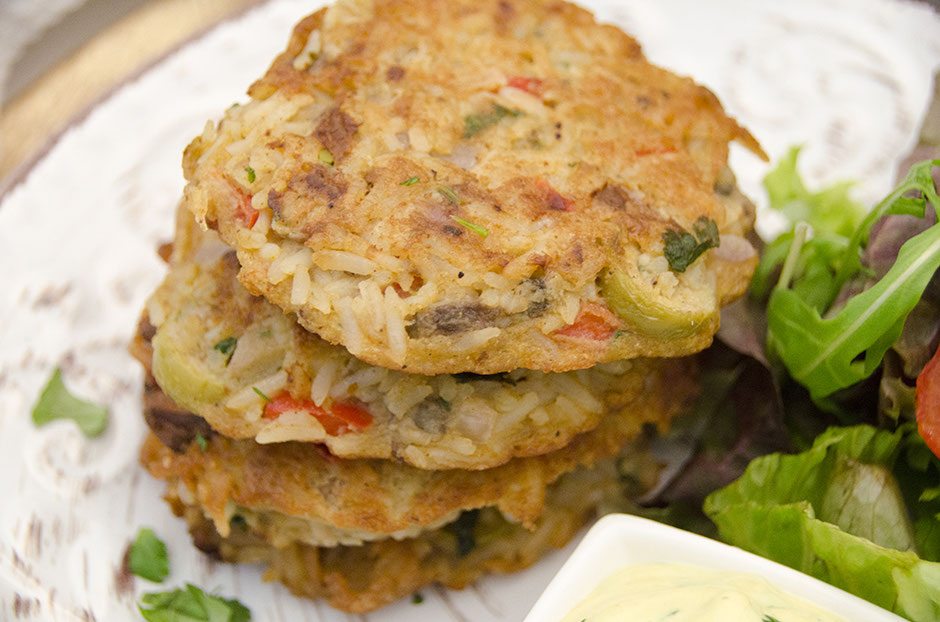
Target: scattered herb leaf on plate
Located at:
point(56, 402)
point(148, 558)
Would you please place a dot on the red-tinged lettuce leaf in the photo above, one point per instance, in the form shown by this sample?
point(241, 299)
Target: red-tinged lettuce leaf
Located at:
point(848, 511)
point(737, 418)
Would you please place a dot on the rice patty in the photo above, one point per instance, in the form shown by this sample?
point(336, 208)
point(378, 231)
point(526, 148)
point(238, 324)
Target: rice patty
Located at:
point(362, 578)
point(476, 186)
point(219, 351)
point(350, 501)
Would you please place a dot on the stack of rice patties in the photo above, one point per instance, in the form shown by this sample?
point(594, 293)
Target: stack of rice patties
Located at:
point(408, 336)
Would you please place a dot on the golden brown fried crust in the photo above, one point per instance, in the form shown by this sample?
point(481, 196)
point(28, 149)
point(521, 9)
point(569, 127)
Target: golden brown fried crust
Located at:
point(381, 496)
point(610, 152)
point(362, 578)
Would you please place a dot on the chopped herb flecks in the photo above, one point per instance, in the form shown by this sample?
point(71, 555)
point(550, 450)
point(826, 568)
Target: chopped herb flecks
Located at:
point(227, 348)
point(147, 557)
point(683, 248)
point(476, 123)
point(326, 157)
point(417, 599)
point(55, 402)
point(471, 226)
point(443, 403)
point(448, 193)
point(410, 181)
point(464, 529)
point(202, 442)
point(263, 396)
point(251, 174)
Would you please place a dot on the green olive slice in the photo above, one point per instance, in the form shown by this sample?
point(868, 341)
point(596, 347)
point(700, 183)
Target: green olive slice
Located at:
point(649, 311)
point(182, 377)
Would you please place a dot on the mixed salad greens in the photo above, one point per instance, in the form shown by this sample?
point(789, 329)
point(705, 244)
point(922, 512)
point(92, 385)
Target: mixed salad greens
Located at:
point(813, 398)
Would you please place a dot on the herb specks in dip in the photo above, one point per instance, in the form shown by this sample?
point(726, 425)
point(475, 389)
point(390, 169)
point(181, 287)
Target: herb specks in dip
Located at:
point(681, 593)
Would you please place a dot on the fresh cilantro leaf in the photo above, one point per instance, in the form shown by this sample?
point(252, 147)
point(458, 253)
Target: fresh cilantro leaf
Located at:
point(768, 618)
point(251, 174)
point(191, 605)
point(55, 402)
point(262, 395)
point(326, 157)
point(828, 351)
point(410, 181)
point(201, 441)
point(417, 598)
point(683, 248)
point(476, 123)
point(478, 229)
point(147, 557)
point(227, 348)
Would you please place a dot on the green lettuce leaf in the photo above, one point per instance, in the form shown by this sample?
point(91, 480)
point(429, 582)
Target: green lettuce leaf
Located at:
point(851, 511)
point(829, 349)
point(830, 210)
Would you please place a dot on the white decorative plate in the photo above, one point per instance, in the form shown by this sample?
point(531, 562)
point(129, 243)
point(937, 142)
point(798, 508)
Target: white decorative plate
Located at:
point(848, 78)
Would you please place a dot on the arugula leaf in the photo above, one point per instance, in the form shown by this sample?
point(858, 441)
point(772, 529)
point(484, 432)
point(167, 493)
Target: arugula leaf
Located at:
point(55, 402)
point(829, 353)
point(847, 511)
point(683, 248)
point(147, 557)
point(191, 605)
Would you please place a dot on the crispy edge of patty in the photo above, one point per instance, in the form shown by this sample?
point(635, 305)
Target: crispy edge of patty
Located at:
point(358, 579)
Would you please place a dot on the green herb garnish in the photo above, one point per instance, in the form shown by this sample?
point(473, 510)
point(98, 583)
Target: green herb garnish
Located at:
point(683, 248)
point(251, 174)
point(201, 441)
point(191, 605)
point(768, 618)
point(55, 402)
point(239, 521)
point(326, 157)
point(471, 226)
point(147, 557)
point(476, 123)
point(464, 530)
point(263, 396)
point(443, 403)
point(227, 348)
point(417, 599)
point(448, 193)
point(410, 181)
